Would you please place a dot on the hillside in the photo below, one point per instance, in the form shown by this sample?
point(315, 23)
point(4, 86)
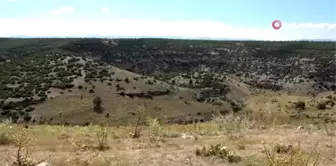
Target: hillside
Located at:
point(55, 81)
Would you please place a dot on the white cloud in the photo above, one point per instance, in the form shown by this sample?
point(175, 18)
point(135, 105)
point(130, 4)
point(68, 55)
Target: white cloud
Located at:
point(62, 10)
point(105, 10)
point(48, 27)
point(312, 25)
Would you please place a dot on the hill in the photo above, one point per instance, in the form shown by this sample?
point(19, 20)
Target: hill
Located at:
point(56, 81)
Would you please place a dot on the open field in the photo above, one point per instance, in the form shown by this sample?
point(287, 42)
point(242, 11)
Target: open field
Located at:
point(172, 144)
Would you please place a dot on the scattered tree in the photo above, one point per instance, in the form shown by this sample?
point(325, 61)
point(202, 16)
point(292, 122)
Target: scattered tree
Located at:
point(97, 102)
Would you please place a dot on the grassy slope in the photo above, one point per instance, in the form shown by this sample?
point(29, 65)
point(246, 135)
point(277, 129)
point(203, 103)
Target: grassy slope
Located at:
point(70, 104)
point(281, 107)
point(65, 146)
point(119, 108)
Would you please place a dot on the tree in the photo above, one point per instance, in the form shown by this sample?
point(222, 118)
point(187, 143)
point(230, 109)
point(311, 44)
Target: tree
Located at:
point(97, 102)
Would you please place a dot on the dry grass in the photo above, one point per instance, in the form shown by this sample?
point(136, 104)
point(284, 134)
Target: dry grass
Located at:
point(65, 146)
point(5, 139)
point(257, 137)
point(291, 156)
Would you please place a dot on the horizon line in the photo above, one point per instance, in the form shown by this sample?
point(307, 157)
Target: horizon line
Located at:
point(149, 37)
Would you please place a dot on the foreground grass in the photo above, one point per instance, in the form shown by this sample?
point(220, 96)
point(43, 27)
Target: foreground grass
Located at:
point(237, 144)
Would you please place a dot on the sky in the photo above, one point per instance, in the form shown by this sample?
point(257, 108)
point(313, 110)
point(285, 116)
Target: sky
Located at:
point(212, 19)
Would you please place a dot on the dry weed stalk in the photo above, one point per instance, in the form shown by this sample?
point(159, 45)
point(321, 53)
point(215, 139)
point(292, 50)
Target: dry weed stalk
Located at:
point(141, 114)
point(230, 124)
point(102, 137)
point(22, 139)
point(197, 126)
point(264, 118)
point(290, 156)
point(154, 130)
point(81, 159)
point(329, 128)
point(101, 140)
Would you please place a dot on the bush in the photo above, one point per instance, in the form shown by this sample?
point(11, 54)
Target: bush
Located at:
point(27, 117)
point(127, 80)
point(218, 151)
point(321, 105)
point(236, 108)
point(150, 82)
point(300, 105)
point(29, 109)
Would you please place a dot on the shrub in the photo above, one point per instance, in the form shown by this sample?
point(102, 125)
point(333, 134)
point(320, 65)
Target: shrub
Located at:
point(321, 105)
point(300, 105)
point(236, 108)
point(218, 151)
point(127, 80)
point(290, 156)
point(29, 109)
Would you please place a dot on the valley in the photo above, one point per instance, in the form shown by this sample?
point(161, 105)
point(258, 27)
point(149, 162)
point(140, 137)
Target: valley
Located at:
point(93, 102)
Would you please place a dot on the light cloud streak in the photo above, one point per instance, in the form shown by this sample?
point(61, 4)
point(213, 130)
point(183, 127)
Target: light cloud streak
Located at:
point(105, 10)
point(66, 27)
point(312, 25)
point(63, 10)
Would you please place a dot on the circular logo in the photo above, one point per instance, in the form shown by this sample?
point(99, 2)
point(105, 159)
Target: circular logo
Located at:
point(276, 24)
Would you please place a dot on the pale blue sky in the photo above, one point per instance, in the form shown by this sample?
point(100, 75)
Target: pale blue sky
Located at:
point(235, 13)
